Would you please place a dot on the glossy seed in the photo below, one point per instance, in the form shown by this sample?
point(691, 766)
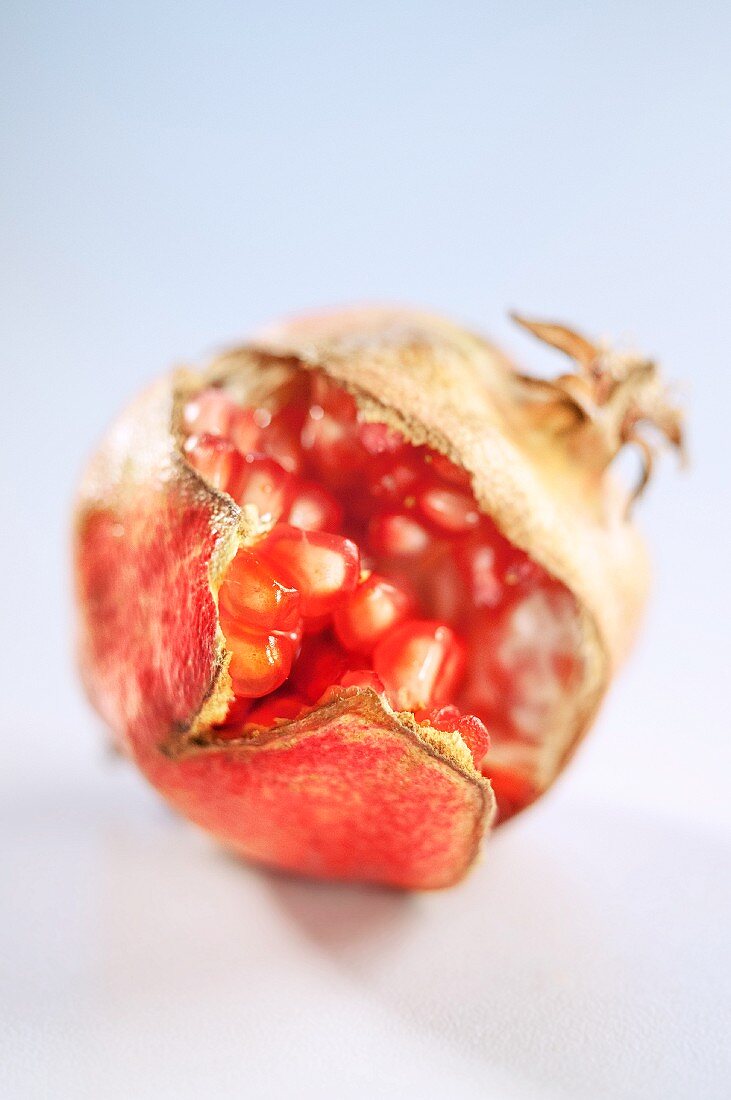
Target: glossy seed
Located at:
point(396, 534)
point(313, 508)
point(324, 568)
point(263, 483)
point(260, 663)
point(215, 459)
point(449, 509)
point(421, 663)
point(374, 608)
point(252, 596)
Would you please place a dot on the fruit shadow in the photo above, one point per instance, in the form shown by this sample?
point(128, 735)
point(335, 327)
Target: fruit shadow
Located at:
point(341, 918)
point(582, 924)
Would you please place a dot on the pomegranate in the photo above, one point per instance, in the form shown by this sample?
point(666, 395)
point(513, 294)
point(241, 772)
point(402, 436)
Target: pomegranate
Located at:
point(312, 578)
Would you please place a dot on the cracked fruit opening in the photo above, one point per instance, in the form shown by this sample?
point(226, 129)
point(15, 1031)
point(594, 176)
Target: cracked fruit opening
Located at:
point(376, 569)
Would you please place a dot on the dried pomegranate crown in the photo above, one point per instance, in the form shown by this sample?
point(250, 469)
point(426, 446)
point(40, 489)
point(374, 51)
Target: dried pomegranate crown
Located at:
point(608, 402)
point(313, 576)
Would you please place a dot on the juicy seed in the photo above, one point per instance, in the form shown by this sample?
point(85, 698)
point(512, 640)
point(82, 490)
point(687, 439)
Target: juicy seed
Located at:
point(447, 470)
point(468, 726)
point(329, 435)
point(356, 678)
point(252, 595)
point(479, 563)
point(260, 663)
point(449, 509)
point(321, 664)
point(324, 568)
point(209, 413)
point(315, 624)
point(278, 706)
point(281, 439)
point(215, 459)
point(513, 791)
point(263, 483)
point(421, 663)
point(235, 718)
point(363, 678)
point(376, 606)
point(334, 401)
point(520, 570)
point(314, 509)
point(524, 662)
point(392, 477)
point(396, 534)
point(333, 447)
point(245, 431)
point(379, 439)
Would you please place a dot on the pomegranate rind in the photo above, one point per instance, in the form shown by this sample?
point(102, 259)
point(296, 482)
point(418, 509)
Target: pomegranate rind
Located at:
point(349, 791)
point(151, 544)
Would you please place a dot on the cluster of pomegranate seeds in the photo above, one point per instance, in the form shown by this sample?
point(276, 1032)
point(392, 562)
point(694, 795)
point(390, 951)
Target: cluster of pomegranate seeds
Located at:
point(377, 571)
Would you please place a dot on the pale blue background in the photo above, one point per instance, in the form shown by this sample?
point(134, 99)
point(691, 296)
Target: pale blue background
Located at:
point(173, 175)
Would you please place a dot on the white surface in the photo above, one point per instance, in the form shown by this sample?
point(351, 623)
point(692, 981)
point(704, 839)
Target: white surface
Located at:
point(585, 958)
point(172, 177)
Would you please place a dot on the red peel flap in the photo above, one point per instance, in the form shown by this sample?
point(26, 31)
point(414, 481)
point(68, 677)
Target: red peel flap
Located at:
point(346, 792)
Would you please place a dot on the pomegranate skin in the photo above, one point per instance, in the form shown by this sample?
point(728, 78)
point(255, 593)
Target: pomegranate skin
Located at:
point(349, 791)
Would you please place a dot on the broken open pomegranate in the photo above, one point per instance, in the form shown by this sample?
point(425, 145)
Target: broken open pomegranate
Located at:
point(314, 579)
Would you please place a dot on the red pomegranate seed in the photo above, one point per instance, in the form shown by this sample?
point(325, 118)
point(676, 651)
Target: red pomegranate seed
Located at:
point(330, 433)
point(440, 585)
point(252, 596)
point(277, 706)
point(391, 478)
point(449, 471)
point(512, 791)
point(333, 447)
point(397, 534)
point(263, 483)
point(335, 401)
point(363, 678)
point(235, 718)
point(215, 459)
point(371, 611)
point(209, 412)
point(315, 624)
point(421, 663)
point(448, 508)
point(543, 632)
point(511, 567)
point(448, 713)
point(260, 663)
point(481, 565)
point(213, 412)
point(244, 430)
point(281, 438)
point(525, 661)
point(314, 509)
point(520, 571)
point(468, 726)
point(320, 664)
point(324, 568)
point(380, 439)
